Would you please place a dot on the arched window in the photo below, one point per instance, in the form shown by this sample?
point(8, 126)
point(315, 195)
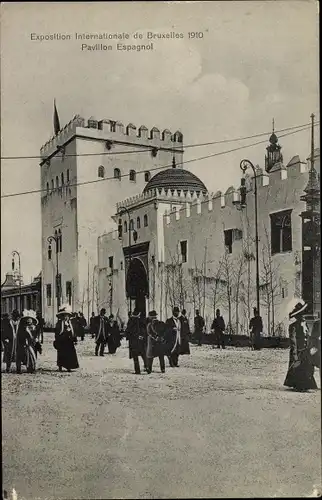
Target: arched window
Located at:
point(101, 171)
point(57, 182)
point(132, 175)
point(138, 223)
point(145, 221)
point(62, 178)
point(60, 241)
point(117, 173)
point(67, 175)
point(52, 185)
point(47, 187)
point(147, 176)
point(131, 224)
point(125, 226)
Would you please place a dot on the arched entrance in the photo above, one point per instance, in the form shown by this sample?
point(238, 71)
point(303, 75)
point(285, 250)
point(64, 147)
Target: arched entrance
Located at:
point(137, 285)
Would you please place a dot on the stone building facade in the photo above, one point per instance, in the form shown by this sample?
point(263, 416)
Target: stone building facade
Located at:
point(14, 296)
point(197, 249)
point(85, 170)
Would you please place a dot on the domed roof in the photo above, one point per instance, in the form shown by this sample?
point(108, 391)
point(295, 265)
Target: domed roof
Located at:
point(176, 179)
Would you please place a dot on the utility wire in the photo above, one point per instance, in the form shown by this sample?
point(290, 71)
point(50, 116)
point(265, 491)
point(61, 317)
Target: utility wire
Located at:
point(157, 168)
point(151, 147)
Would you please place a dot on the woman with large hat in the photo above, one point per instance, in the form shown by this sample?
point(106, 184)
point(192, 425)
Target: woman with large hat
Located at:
point(65, 339)
point(300, 374)
point(156, 341)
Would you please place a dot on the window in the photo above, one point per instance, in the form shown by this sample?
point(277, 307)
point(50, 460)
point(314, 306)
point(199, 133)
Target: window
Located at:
point(58, 285)
point(57, 182)
point(101, 171)
point(110, 262)
point(147, 176)
point(117, 173)
point(229, 240)
point(47, 187)
point(132, 175)
point(145, 221)
point(138, 223)
point(121, 265)
point(67, 175)
point(49, 252)
point(52, 185)
point(281, 232)
point(69, 292)
point(125, 226)
point(183, 250)
point(48, 294)
point(131, 225)
point(60, 241)
point(62, 178)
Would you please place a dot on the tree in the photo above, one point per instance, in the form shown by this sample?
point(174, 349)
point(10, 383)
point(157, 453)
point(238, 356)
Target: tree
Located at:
point(227, 273)
point(175, 284)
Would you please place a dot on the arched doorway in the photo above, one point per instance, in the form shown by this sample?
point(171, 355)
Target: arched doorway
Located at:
point(137, 285)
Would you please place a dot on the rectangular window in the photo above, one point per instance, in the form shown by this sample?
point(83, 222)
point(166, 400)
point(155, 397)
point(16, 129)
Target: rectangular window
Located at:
point(229, 240)
point(48, 294)
point(69, 292)
point(110, 262)
point(281, 232)
point(183, 251)
point(58, 285)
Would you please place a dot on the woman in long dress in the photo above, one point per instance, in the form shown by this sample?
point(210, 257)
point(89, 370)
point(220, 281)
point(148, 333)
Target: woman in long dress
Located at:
point(300, 374)
point(65, 339)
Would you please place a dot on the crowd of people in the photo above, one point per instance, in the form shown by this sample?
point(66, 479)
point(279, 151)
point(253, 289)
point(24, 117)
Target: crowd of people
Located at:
point(149, 338)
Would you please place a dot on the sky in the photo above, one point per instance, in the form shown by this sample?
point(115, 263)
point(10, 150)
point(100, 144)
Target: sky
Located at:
point(255, 61)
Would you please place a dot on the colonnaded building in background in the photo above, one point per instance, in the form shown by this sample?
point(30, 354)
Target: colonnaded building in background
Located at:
point(175, 243)
point(86, 168)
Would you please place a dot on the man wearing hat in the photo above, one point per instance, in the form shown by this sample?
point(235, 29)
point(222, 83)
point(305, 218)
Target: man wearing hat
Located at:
point(300, 374)
point(174, 327)
point(156, 331)
point(256, 328)
point(100, 329)
point(9, 330)
point(136, 334)
point(65, 339)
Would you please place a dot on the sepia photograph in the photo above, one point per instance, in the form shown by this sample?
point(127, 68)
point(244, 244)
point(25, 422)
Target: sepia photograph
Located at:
point(160, 250)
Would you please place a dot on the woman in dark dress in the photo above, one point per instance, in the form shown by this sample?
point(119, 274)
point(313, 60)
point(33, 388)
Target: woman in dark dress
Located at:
point(65, 339)
point(113, 335)
point(300, 374)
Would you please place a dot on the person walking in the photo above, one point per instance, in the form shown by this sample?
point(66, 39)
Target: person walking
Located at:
point(65, 339)
point(40, 327)
point(82, 324)
point(185, 334)
point(136, 334)
point(100, 325)
point(174, 326)
point(113, 335)
point(9, 330)
point(218, 327)
point(300, 373)
point(199, 324)
point(256, 328)
point(26, 341)
point(156, 339)
point(92, 325)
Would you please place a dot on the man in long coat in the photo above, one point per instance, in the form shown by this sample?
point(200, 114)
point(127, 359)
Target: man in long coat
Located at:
point(137, 337)
point(100, 329)
point(156, 341)
point(218, 327)
point(113, 335)
point(199, 324)
point(9, 333)
point(256, 328)
point(174, 327)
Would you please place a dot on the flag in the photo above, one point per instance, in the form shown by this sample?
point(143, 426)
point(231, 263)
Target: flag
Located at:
point(56, 119)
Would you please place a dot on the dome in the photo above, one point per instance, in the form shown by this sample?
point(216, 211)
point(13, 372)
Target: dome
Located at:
point(273, 138)
point(176, 178)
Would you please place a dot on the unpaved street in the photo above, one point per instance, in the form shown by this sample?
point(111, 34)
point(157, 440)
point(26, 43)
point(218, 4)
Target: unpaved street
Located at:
point(220, 425)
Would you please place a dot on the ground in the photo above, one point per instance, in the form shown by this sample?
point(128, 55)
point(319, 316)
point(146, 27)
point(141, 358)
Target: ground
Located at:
point(220, 425)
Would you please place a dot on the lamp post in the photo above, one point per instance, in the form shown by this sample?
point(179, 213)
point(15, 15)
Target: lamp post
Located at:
point(122, 211)
point(50, 239)
point(244, 165)
point(16, 253)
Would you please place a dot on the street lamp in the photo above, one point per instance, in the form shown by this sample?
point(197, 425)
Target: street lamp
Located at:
point(244, 164)
point(56, 239)
point(122, 211)
point(16, 253)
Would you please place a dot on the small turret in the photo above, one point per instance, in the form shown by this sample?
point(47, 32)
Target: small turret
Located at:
point(274, 154)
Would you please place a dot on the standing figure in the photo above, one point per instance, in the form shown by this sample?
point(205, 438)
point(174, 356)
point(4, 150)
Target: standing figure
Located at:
point(92, 325)
point(256, 328)
point(218, 327)
point(199, 327)
point(185, 334)
point(26, 341)
point(136, 335)
point(315, 345)
point(65, 339)
point(82, 324)
point(300, 374)
point(9, 330)
point(174, 326)
point(113, 335)
point(156, 339)
point(40, 327)
point(100, 325)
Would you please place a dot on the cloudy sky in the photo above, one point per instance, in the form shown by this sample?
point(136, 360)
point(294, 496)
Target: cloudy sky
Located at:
point(256, 61)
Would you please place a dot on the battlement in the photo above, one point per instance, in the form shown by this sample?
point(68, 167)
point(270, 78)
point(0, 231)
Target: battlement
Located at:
point(112, 130)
